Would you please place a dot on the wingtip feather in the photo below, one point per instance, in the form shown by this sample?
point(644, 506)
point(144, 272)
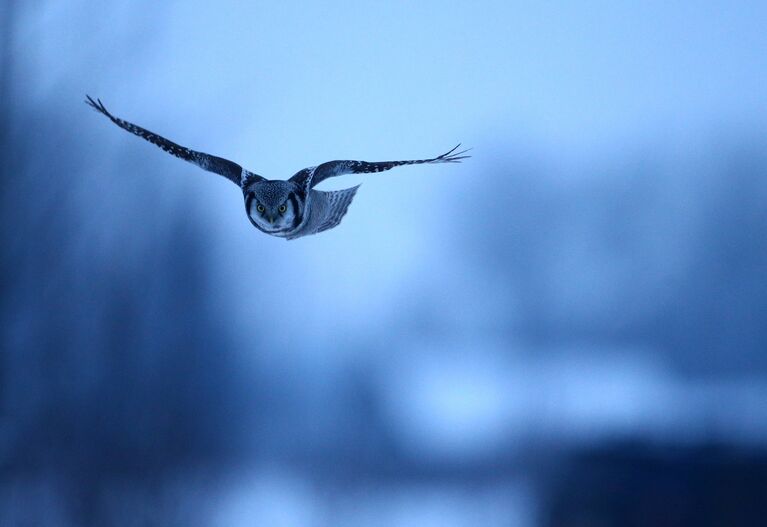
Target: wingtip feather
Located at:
point(451, 156)
point(97, 105)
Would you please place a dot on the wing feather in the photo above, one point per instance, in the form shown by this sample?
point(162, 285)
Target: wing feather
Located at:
point(311, 178)
point(327, 209)
point(218, 165)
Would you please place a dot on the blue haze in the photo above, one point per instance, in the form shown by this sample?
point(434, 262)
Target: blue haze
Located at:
point(593, 276)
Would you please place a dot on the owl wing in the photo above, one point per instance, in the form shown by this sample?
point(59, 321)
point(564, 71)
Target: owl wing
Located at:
point(312, 176)
point(230, 170)
point(327, 208)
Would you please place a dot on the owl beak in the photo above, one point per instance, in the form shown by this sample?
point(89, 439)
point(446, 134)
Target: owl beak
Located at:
point(271, 220)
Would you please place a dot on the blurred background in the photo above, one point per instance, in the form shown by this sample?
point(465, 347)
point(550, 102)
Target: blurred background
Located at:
point(568, 329)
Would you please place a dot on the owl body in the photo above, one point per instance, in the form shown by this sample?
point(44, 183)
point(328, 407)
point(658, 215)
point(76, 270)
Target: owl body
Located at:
point(284, 208)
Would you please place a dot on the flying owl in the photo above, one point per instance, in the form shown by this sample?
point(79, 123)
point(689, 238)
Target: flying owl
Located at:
point(287, 209)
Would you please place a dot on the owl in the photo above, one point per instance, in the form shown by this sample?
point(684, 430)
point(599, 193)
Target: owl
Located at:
point(289, 208)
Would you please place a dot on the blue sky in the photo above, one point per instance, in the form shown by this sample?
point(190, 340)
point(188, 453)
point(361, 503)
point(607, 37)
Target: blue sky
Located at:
point(288, 83)
point(282, 85)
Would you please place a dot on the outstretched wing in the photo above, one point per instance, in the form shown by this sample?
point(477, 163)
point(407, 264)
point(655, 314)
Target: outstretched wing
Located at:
point(326, 210)
point(324, 171)
point(230, 170)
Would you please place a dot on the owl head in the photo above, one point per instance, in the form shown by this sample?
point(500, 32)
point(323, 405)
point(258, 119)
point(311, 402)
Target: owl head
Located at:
point(273, 206)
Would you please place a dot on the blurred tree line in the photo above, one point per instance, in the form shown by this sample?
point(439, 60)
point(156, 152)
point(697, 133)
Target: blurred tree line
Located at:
point(662, 252)
point(116, 372)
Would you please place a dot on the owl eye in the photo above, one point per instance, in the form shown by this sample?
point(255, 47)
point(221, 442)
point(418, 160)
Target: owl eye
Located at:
point(260, 208)
point(283, 208)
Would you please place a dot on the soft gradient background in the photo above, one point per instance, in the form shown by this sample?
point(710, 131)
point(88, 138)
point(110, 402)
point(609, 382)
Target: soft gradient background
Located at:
point(569, 329)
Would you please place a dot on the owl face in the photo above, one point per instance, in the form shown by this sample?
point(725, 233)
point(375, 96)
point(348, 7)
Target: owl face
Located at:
point(272, 218)
point(272, 207)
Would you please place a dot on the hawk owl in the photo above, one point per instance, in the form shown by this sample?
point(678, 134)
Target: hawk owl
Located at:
point(287, 209)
